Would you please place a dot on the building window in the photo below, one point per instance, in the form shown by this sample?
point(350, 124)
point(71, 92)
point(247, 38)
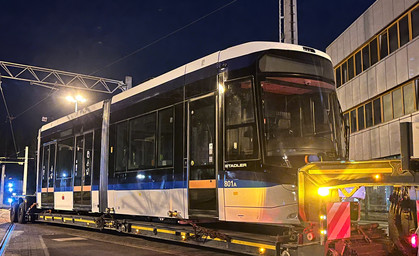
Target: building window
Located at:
point(397, 103)
point(361, 124)
point(368, 115)
point(353, 121)
point(377, 111)
point(338, 78)
point(409, 98)
point(366, 57)
point(374, 51)
point(344, 72)
point(358, 63)
point(351, 72)
point(387, 107)
point(415, 22)
point(392, 38)
point(383, 45)
point(404, 30)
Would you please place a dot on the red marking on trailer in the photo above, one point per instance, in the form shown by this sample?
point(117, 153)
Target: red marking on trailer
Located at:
point(417, 212)
point(338, 220)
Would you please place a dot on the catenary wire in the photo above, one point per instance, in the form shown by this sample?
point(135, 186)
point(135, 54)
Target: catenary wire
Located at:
point(9, 118)
point(136, 51)
point(164, 37)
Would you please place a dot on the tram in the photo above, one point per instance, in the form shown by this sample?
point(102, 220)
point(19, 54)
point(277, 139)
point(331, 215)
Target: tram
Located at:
point(220, 138)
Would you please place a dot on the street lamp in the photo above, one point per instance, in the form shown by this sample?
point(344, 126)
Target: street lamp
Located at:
point(78, 98)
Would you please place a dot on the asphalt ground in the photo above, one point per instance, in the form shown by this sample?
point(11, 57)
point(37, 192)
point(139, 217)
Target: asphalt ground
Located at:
point(42, 239)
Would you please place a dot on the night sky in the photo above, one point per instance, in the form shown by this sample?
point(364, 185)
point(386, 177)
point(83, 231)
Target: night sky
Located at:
point(87, 36)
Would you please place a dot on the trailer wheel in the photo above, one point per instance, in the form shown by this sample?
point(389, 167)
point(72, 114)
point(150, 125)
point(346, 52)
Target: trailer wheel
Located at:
point(21, 218)
point(13, 212)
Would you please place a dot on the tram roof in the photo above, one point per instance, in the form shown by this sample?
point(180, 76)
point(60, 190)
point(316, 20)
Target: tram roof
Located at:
point(219, 56)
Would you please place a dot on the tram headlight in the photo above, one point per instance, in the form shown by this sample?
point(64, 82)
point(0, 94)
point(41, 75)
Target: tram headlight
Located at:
point(323, 191)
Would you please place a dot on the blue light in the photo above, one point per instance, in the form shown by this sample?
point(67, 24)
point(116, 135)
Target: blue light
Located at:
point(9, 200)
point(10, 190)
point(140, 176)
point(10, 184)
point(64, 175)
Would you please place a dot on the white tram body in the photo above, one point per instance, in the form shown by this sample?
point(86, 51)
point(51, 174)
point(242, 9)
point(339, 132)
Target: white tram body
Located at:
point(219, 138)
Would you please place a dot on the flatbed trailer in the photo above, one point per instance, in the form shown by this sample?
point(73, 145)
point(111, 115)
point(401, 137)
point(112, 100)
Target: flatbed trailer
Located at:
point(312, 237)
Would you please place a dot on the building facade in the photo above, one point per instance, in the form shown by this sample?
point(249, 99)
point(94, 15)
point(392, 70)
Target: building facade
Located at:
point(376, 62)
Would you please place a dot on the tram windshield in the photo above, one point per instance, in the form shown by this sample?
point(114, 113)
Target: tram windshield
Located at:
point(301, 116)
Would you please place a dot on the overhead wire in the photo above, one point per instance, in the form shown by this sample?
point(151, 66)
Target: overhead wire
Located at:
point(137, 51)
point(164, 37)
point(9, 118)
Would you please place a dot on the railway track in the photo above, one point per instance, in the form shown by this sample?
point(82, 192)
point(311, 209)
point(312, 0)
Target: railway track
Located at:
point(6, 238)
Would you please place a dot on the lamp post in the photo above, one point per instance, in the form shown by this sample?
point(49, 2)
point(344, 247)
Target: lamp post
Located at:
point(78, 98)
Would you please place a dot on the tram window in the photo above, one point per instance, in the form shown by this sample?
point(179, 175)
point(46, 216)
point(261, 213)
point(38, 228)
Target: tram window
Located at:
point(65, 157)
point(377, 111)
point(358, 65)
point(366, 57)
point(368, 115)
point(338, 78)
point(351, 71)
point(387, 107)
point(361, 123)
point(353, 121)
point(404, 30)
point(374, 51)
point(121, 147)
point(45, 167)
point(142, 141)
point(415, 22)
point(392, 38)
point(383, 45)
point(409, 98)
point(165, 137)
point(51, 167)
point(240, 121)
point(202, 129)
point(397, 103)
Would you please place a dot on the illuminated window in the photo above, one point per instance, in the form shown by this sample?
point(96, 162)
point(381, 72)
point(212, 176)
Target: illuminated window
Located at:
point(409, 98)
point(387, 107)
point(344, 72)
point(397, 103)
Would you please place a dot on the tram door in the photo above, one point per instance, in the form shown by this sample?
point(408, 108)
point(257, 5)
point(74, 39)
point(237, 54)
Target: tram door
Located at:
point(83, 161)
point(48, 172)
point(202, 193)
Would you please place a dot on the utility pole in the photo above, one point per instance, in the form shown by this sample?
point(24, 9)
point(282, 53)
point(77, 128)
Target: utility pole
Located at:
point(3, 173)
point(288, 26)
point(25, 171)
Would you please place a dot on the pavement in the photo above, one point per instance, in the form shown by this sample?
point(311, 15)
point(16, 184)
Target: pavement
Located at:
point(42, 239)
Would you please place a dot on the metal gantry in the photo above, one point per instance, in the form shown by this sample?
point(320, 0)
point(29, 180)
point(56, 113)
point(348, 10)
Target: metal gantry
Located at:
point(55, 78)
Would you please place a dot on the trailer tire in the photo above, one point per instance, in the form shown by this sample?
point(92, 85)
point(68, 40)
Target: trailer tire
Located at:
point(13, 213)
point(21, 218)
